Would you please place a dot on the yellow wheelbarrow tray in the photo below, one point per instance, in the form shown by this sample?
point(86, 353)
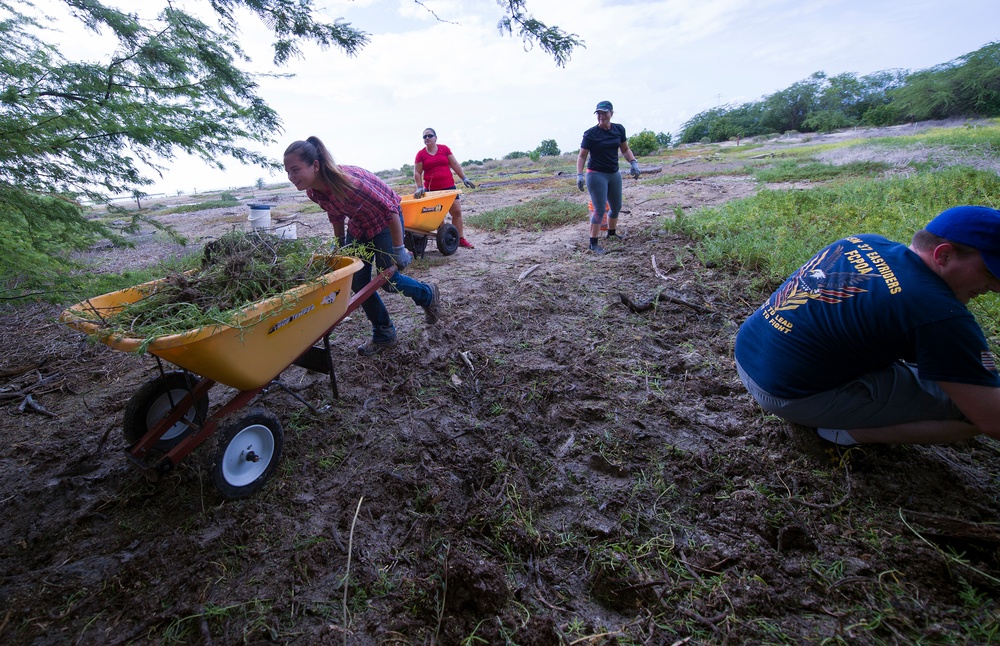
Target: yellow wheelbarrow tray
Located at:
point(424, 217)
point(263, 340)
point(168, 417)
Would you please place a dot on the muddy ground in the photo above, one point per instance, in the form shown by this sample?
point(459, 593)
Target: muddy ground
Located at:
point(586, 474)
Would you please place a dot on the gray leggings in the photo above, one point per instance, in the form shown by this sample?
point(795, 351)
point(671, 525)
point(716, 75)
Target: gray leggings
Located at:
point(604, 188)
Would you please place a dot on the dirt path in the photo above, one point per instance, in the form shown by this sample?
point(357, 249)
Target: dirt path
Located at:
point(589, 475)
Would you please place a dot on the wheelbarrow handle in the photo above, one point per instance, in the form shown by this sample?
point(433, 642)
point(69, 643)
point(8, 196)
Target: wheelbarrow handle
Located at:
point(380, 279)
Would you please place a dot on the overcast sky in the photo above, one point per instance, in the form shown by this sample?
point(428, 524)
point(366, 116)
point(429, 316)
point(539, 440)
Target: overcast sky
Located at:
point(659, 62)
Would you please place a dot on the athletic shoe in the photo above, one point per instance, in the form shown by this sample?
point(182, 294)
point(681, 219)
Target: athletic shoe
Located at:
point(462, 242)
point(596, 248)
point(432, 310)
point(842, 438)
point(617, 237)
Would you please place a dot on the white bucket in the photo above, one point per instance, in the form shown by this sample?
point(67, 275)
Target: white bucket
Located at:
point(287, 232)
point(260, 216)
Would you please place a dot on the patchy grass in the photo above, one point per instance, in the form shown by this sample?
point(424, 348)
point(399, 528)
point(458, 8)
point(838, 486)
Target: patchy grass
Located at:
point(536, 215)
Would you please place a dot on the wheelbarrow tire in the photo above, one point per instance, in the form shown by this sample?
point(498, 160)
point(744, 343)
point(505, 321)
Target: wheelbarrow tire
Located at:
point(447, 239)
point(247, 455)
point(153, 401)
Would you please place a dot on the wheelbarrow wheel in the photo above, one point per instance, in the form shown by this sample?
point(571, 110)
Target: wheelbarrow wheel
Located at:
point(248, 453)
point(153, 401)
point(447, 239)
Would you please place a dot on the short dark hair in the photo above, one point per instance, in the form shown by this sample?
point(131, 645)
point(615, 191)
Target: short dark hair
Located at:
point(924, 240)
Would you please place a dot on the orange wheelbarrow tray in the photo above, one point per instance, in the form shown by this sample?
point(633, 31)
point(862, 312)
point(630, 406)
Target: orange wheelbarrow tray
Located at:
point(423, 217)
point(167, 418)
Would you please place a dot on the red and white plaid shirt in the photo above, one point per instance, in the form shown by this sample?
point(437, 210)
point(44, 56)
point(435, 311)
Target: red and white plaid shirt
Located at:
point(368, 205)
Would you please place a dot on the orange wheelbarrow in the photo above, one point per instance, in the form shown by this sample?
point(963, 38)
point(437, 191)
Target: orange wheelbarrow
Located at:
point(424, 217)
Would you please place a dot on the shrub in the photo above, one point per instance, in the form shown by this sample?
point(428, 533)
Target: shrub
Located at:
point(664, 139)
point(548, 148)
point(517, 154)
point(643, 143)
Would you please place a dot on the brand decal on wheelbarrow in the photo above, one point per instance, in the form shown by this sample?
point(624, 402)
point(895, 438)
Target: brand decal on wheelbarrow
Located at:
point(285, 321)
point(431, 209)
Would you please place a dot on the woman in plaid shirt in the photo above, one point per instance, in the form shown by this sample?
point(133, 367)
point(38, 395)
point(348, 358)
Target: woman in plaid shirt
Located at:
point(371, 209)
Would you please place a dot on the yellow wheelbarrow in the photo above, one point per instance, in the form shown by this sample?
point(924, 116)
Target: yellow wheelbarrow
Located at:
point(168, 417)
point(424, 217)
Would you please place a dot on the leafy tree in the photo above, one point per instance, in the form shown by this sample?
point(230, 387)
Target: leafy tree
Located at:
point(174, 83)
point(643, 143)
point(967, 86)
point(548, 148)
point(664, 139)
point(516, 154)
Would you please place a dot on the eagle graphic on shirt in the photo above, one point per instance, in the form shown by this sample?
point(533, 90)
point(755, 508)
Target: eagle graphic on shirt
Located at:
point(815, 280)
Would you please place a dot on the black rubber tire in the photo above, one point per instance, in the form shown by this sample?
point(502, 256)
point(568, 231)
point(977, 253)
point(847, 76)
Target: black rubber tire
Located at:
point(248, 453)
point(153, 401)
point(447, 239)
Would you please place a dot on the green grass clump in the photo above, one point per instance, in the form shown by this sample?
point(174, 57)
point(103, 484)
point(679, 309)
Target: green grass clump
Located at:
point(201, 206)
point(790, 170)
point(536, 215)
point(798, 223)
point(984, 139)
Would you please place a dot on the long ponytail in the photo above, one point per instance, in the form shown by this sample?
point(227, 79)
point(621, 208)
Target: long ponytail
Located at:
point(311, 150)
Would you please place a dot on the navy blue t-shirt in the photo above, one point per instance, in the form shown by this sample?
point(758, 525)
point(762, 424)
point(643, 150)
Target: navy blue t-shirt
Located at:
point(603, 146)
point(859, 305)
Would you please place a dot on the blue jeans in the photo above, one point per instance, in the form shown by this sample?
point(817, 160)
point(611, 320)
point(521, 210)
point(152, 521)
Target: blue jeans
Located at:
point(605, 188)
point(383, 330)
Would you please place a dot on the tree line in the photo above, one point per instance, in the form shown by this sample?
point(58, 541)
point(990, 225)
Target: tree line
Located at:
point(968, 86)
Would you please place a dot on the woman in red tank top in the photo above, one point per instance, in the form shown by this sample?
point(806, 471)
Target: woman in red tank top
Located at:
point(432, 172)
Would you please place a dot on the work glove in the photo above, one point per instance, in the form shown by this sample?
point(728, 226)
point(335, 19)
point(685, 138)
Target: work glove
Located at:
point(580, 183)
point(468, 182)
point(419, 193)
point(401, 257)
point(635, 169)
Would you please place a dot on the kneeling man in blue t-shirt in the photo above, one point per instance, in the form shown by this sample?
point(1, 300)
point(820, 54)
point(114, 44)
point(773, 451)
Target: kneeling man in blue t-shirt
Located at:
point(871, 341)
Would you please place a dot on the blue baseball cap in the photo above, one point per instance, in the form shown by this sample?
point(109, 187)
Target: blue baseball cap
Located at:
point(604, 106)
point(974, 226)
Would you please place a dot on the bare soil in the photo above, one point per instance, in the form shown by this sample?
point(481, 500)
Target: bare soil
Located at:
point(543, 466)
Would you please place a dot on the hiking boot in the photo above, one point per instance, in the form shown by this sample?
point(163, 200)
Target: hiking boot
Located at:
point(462, 242)
point(617, 237)
point(432, 310)
point(374, 347)
point(596, 248)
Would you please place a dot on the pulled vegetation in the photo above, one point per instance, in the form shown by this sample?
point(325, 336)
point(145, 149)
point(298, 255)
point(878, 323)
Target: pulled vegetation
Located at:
point(237, 270)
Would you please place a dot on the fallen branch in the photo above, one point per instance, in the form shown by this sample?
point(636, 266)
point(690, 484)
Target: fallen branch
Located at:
point(527, 272)
point(20, 370)
point(30, 403)
point(644, 307)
